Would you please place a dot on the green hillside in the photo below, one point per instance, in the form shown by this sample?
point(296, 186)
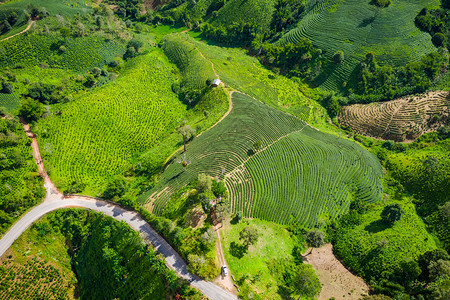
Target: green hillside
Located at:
point(357, 27)
point(246, 74)
point(257, 12)
point(20, 185)
point(65, 8)
point(113, 123)
point(299, 173)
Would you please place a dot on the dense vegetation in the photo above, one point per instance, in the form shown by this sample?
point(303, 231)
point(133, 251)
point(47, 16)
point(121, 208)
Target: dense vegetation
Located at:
point(37, 266)
point(20, 185)
point(324, 172)
point(396, 255)
point(110, 260)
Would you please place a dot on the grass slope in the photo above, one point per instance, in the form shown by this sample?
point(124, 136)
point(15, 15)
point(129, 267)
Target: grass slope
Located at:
point(300, 173)
point(256, 262)
point(96, 135)
point(196, 71)
point(357, 27)
point(246, 74)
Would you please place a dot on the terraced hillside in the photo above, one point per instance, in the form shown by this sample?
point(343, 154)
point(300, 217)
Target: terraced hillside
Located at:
point(258, 12)
point(196, 70)
point(95, 136)
point(399, 120)
point(299, 172)
point(246, 74)
point(357, 27)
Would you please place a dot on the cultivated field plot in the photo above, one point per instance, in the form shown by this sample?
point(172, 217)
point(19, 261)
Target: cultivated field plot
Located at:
point(95, 136)
point(357, 27)
point(258, 12)
point(399, 120)
point(33, 280)
point(82, 53)
point(299, 173)
point(195, 69)
point(246, 74)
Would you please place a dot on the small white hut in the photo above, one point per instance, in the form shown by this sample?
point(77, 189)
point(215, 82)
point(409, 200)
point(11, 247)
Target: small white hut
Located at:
point(216, 82)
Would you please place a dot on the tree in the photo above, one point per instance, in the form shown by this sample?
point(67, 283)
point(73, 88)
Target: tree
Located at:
point(249, 235)
point(315, 238)
point(338, 57)
point(438, 39)
point(7, 88)
point(115, 188)
point(445, 3)
point(204, 183)
point(305, 281)
point(184, 161)
point(187, 132)
point(391, 213)
point(30, 110)
point(13, 18)
point(6, 26)
point(257, 146)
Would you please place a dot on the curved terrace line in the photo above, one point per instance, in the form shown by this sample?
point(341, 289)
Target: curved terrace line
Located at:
point(55, 200)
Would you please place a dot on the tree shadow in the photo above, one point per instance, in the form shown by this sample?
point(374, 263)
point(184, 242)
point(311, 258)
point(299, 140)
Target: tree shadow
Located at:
point(250, 152)
point(377, 226)
point(237, 250)
point(284, 292)
point(366, 22)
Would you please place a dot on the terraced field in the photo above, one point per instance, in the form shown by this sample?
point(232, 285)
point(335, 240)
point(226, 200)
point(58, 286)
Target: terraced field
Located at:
point(196, 71)
point(96, 135)
point(399, 120)
point(299, 173)
point(81, 54)
point(247, 75)
point(9, 101)
point(258, 12)
point(357, 27)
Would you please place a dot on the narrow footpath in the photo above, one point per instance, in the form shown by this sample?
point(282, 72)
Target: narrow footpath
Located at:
point(23, 31)
point(56, 200)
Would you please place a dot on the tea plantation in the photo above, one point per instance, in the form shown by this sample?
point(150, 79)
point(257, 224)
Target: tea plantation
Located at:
point(357, 27)
point(95, 136)
point(246, 74)
point(300, 173)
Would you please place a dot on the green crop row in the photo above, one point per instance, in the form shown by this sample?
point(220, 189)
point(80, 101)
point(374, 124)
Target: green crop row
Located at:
point(96, 135)
point(81, 53)
point(196, 71)
point(357, 27)
point(299, 173)
point(246, 74)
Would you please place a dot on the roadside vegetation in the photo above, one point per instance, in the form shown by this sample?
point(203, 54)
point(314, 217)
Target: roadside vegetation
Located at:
point(120, 96)
point(20, 185)
point(62, 252)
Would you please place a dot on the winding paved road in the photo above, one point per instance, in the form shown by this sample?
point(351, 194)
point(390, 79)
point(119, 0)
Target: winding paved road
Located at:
point(55, 200)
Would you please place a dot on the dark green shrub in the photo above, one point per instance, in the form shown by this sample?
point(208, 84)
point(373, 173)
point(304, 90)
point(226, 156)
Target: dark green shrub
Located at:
point(392, 213)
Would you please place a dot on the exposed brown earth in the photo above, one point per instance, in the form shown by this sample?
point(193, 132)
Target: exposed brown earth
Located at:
point(336, 280)
point(401, 120)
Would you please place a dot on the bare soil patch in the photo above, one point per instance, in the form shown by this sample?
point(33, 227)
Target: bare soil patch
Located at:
point(337, 281)
point(401, 120)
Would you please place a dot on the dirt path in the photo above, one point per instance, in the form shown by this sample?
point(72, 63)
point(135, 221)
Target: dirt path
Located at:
point(23, 31)
point(56, 200)
point(337, 281)
point(224, 281)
